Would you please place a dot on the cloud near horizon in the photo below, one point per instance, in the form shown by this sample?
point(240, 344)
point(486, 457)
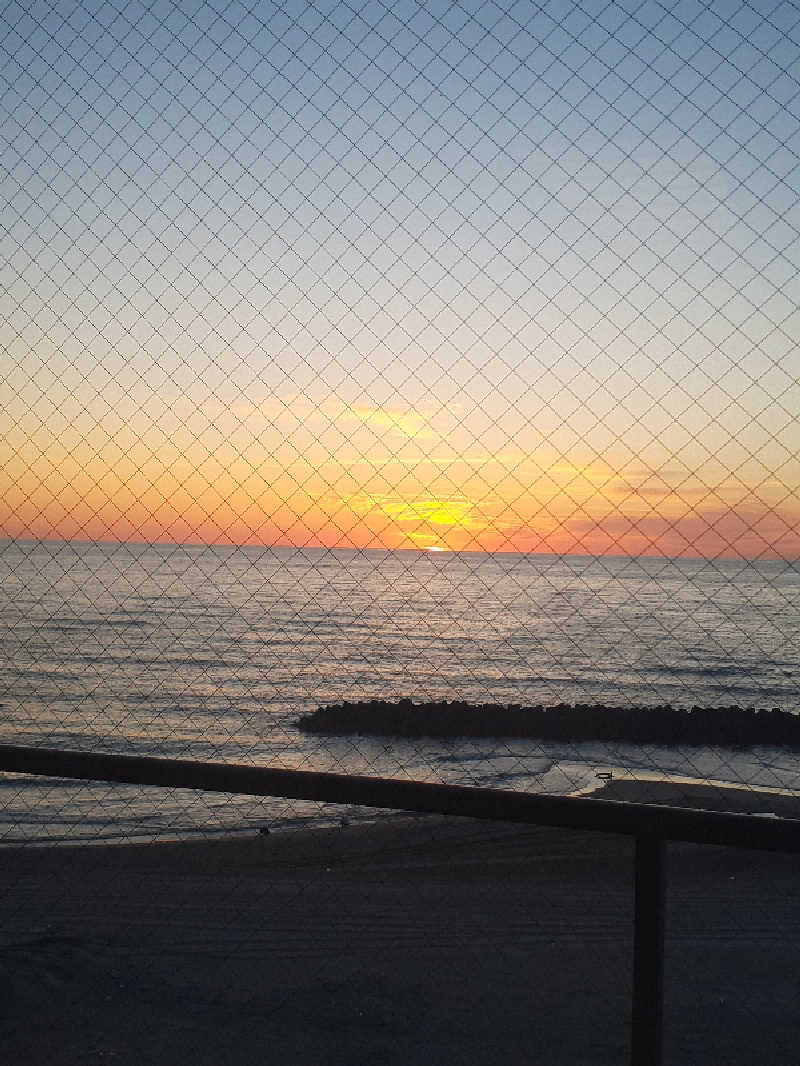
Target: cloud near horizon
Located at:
point(294, 470)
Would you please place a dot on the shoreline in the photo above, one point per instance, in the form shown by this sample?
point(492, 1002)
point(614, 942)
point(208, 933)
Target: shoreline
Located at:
point(719, 796)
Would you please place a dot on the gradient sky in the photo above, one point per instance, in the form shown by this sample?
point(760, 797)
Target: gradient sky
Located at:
point(476, 276)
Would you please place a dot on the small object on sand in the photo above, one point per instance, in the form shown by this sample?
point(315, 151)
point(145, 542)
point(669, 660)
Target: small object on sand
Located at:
point(605, 775)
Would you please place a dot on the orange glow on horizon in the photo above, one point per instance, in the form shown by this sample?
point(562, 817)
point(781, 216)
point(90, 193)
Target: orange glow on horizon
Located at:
point(562, 525)
point(339, 475)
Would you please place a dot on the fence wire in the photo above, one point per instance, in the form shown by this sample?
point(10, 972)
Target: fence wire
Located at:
point(356, 353)
point(431, 351)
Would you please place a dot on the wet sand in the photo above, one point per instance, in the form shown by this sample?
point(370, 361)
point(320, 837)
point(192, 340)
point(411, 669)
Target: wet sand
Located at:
point(704, 797)
point(417, 940)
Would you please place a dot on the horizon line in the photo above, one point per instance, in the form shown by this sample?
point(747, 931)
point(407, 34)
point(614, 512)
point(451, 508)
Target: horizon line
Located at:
point(429, 550)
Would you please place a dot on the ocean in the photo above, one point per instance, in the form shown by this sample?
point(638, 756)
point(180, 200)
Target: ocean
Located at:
point(214, 652)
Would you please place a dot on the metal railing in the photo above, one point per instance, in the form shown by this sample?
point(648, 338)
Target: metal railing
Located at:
point(651, 826)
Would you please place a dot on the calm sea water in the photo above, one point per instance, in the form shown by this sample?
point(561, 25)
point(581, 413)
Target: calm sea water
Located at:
point(212, 653)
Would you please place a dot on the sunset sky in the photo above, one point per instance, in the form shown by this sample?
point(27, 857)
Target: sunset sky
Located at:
point(469, 276)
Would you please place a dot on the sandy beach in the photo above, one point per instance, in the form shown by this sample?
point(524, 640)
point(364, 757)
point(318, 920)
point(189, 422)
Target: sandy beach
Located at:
point(414, 940)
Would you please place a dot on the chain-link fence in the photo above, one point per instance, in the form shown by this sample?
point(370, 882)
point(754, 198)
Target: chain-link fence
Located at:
point(430, 362)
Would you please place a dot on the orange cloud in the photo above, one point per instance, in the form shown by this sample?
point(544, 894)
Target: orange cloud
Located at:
point(404, 423)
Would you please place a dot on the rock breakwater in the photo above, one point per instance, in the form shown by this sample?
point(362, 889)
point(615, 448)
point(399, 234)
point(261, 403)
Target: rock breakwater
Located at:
point(730, 726)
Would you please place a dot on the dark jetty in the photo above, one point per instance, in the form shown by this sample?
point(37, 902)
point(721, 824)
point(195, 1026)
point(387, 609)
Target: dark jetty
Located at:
point(729, 726)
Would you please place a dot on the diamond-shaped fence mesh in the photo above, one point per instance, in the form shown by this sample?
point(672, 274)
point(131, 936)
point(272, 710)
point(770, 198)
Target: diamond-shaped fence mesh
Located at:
point(429, 352)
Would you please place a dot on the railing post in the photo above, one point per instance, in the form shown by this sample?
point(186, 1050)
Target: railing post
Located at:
point(648, 952)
